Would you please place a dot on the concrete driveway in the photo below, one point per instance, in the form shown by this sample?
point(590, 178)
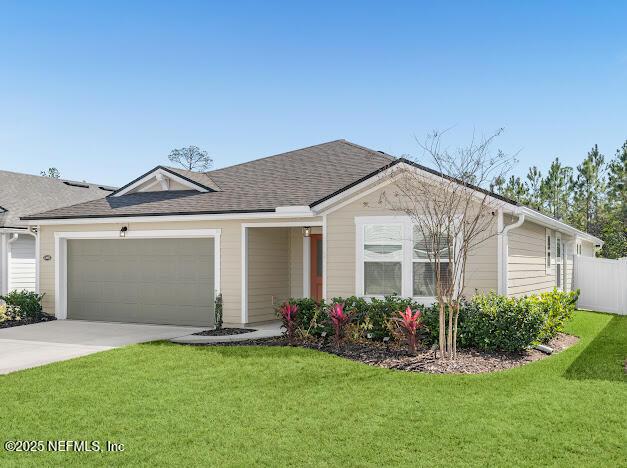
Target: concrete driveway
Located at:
point(35, 345)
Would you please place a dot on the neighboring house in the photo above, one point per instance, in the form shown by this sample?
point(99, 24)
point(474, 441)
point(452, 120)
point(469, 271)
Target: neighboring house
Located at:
point(306, 223)
point(21, 195)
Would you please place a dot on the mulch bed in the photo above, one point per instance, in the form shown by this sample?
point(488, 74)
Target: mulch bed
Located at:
point(17, 323)
point(225, 331)
point(392, 356)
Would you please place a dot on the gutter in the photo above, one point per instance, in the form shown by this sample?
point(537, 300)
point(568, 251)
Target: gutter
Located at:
point(549, 222)
point(503, 248)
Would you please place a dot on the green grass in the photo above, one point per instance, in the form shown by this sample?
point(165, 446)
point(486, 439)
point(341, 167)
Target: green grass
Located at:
point(241, 406)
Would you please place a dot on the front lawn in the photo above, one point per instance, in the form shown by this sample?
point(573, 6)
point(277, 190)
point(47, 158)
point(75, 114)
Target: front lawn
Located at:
point(238, 406)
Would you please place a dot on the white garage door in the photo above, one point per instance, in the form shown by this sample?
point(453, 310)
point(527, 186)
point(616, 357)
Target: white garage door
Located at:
point(161, 281)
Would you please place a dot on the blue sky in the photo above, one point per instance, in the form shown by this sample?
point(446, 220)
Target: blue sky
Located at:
point(104, 91)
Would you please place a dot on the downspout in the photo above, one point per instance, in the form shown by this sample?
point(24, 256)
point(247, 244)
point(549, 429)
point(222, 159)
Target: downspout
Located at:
point(504, 278)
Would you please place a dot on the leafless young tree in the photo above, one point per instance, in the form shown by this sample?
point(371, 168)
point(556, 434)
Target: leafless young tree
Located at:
point(453, 212)
point(191, 158)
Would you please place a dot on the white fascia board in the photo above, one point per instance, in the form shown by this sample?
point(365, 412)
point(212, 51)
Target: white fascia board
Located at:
point(386, 177)
point(549, 222)
point(168, 218)
point(321, 207)
point(155, 174)
point(294, 210)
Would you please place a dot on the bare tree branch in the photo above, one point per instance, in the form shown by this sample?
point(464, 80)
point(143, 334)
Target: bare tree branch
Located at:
point(453, 211)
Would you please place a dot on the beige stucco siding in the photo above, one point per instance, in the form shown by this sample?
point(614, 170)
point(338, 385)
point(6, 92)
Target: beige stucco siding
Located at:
point(481, 272)
point(528, 273)
point(526, 261)
point(230, 252)
point(268, 271)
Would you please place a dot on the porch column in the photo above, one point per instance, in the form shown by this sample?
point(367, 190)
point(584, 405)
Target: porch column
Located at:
point(306, 266)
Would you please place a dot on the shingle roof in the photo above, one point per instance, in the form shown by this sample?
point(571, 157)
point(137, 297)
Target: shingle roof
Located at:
point(201, 178)
point(25, 194)
point(296, 178)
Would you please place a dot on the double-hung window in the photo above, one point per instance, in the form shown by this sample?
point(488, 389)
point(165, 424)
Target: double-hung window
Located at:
point(424, 266)
point(394, 258)
point(383, 259)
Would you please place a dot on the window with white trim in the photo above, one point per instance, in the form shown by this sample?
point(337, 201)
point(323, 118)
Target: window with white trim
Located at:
point(578, 248)
point(383, 259)
point(423, 270)
point(548, 246)
point(392, 259)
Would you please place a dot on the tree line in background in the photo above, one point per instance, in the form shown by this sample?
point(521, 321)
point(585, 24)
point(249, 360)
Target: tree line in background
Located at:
point(592, 197)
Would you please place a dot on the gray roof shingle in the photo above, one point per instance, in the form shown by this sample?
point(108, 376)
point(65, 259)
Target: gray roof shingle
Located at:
point(25, 194)
point(296, 178)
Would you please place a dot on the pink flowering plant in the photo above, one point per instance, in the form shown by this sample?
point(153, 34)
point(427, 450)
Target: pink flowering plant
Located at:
point(288, 313)
point(409, 322)
point(339, 320)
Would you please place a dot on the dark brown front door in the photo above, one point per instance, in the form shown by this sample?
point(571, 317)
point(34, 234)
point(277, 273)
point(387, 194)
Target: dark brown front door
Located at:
point(316, 267)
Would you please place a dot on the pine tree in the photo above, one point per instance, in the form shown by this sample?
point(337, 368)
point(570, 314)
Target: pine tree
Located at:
point(588, 193)
point(533, 183)
point(555, 189)
point(614, 230)
point(515, 190)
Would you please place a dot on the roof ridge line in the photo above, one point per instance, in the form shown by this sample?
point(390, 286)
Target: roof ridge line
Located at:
point(278, 154)
point(370, 150)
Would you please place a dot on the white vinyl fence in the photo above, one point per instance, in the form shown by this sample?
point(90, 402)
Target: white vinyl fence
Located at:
point(603, 284)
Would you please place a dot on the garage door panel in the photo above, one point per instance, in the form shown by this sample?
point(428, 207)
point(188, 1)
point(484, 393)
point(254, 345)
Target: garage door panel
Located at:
point(119, 312)
point(119, 291)
point(183, 314)
point(168, 281)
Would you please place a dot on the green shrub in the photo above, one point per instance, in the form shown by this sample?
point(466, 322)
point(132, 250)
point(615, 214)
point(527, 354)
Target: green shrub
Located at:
point(499, 323)
point(558, 308)
point(375, 317)
point(311, 318)
point(23, 305)
point(368, 317)
point(488, 322)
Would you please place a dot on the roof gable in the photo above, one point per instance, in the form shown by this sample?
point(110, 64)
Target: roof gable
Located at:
point(164, 179)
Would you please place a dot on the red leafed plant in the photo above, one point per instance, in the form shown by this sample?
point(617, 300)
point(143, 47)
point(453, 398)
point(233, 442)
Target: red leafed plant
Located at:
point(339, 320)
point(409, 322)
point(288, 313)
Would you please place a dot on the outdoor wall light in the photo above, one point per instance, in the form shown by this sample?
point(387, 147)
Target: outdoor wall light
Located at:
point(123, 231)
point(307, 231)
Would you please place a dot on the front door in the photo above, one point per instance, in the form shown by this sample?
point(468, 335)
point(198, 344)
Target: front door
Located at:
point(316, 267)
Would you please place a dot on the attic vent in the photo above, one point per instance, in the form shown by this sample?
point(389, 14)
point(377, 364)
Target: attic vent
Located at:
point(75, 184)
